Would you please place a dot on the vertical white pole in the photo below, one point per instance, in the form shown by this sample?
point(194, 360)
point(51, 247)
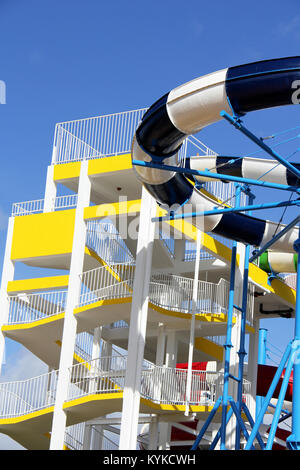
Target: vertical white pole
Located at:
point(171, 349)
point(50, 190)
point(87, 437)
point(192, 328)
point(161, 344)
point(153, 433)
point(7, 275)
point(171, 359)
point(70, 322)
point(96, 342)
point(138, 323)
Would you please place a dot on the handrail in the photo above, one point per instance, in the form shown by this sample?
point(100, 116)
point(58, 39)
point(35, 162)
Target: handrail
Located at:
point(26, 308)
point(159, 384)
point(37, 206)
point(25, 396)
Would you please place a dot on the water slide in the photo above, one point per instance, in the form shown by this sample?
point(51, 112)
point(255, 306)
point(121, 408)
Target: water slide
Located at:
point(190, 107)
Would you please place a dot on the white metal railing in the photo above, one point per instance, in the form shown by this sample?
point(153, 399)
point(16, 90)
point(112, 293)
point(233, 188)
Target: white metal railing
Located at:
point(108, 135)
point(84, 345)
point(116, 281)
point(165, 290)
point(166, 385)
point(176, 293)
point(26, 308)
point(104, 239)
point(219, 340)
point(95, 137)
point(106, 282)
point(25, 396)
point(65, 202)
point(37, 206)
point(27, 207)
point(163, 385)
point(159, 384)
point(102, 375)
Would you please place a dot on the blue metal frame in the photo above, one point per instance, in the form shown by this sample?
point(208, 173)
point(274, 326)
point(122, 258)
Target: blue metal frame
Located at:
point(293, 441)
point(237, 123)
point(217, 176)
point(291, 357)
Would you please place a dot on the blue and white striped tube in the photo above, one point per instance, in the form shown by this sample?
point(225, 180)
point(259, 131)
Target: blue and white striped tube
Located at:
point(245, 167)
point(187, 109)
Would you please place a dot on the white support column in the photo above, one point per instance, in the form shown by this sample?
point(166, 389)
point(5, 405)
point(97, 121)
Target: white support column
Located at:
point(7, 275)
point(50, 190)
point(171, 349)
point(87, 437)
point(153, 433)
point(161, 344)
point(96, 342)
point(171, 359)
point(192, 327)
point(70, 323)
point(138, 324)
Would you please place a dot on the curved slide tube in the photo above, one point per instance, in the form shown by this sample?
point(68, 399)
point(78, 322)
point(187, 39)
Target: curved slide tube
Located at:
point(186, 110)
point(273, 262)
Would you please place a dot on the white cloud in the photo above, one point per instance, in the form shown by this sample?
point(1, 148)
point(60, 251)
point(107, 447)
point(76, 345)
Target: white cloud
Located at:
point(291, 27)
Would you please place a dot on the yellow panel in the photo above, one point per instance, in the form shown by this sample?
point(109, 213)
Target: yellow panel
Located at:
point(110, 164)
point(66, 171)
point(46, 234)
point(209, 348)
point(111, 209)
point(37, 284)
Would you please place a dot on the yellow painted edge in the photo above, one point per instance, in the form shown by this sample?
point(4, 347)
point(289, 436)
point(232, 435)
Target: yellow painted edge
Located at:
point(100, 303)
point(114, 164)
point(181, 408)
point(27, 416)
point(36, 284)
point(92, 397)
point(220, 318)
point(65, 171)
point(210, 348)
point(113, 209)
point(27, 326)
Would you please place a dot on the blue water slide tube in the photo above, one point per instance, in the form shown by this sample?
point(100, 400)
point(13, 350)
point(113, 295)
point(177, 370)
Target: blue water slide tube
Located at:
point(190, 107)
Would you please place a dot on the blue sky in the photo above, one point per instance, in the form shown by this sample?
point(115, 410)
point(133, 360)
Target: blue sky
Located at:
point(68, 59)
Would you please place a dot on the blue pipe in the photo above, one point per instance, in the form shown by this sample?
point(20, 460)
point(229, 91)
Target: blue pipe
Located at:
point(278, 408)
point(237, 124)
point(228, 344)
point(293, 440)
point(262, 354)
point(242, 351)
point(268, 397)
point(271, 205)
point(217, 176)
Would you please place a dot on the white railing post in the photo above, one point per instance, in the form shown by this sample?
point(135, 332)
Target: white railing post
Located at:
point(50, 190)
point(138, 323)
point(192, 327)
point(70, 322)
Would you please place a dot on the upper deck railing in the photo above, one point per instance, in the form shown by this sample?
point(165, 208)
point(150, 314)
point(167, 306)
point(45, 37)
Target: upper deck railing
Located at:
point(95, 137)
point(104, 136)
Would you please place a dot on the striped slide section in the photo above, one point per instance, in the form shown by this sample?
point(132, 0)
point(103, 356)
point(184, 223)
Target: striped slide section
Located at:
point(186, 110)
